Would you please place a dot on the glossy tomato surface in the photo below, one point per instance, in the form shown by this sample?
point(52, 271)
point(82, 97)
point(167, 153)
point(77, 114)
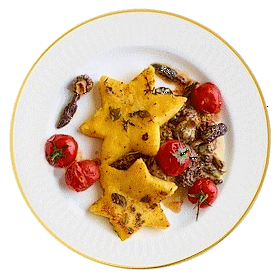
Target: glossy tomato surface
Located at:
point(61, 150)
point(207, 98)
point(173, 157)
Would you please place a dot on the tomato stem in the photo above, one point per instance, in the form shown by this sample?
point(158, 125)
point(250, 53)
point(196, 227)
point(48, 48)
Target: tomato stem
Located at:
point(201, 198)
point(182, 153)
point(56, 154)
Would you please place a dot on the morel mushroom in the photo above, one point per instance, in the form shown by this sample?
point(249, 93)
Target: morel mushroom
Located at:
point(80, 86)
point(186, 131)
point(169, 73)
point(208, 133)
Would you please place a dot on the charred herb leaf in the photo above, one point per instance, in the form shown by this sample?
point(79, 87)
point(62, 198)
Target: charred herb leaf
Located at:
point(145, 136)
point(126, 123)
point(146, 199)
point(109, 90)
point(141, 114)
point(114, 113)
point(148, 87)
point(118, 199)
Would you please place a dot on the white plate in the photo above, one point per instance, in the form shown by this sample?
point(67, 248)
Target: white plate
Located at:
point(121, 45)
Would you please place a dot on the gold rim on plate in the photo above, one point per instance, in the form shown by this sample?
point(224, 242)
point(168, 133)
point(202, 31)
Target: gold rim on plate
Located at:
point(199, 25)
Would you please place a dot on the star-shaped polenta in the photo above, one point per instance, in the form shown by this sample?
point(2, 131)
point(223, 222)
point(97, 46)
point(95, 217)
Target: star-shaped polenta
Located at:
point(131, 116)
point(132, 198)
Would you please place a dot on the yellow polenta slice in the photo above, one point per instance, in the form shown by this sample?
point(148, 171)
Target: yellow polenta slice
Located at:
point(132, 198)
point(131, 116)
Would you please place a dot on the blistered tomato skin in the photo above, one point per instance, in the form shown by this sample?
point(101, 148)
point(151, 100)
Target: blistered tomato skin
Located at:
point(82, 174)
point(207, 99)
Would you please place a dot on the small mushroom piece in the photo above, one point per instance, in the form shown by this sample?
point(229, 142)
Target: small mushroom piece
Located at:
point(169, 73)
point(82, 84)
point(209, 133)
point(186, 131)
point(219, 164)
point(206, 152)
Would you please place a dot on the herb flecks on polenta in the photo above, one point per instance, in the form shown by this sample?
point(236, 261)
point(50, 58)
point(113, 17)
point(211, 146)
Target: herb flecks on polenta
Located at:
point(132, 198)
point(131, 116)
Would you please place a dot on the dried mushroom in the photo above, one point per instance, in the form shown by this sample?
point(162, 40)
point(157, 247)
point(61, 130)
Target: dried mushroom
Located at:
point(81, 85)
point(163, 90)
point(208, 133)
point(169, 73)
point(185, 131)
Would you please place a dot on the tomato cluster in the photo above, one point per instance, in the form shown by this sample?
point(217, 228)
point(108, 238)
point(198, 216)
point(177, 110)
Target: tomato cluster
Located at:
point(174, 157)
point(61, 151)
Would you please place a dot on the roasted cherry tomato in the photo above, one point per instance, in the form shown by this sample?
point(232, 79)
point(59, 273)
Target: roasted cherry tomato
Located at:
point(173, 157)
point(81, 175)
point(207, 98)
point(202, 193)
point(61, 150)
